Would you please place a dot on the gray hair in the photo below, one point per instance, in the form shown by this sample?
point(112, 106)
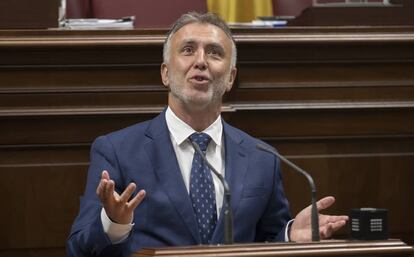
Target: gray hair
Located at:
point(194, 17)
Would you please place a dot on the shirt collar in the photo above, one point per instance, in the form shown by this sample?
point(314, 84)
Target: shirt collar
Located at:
point(180, 130)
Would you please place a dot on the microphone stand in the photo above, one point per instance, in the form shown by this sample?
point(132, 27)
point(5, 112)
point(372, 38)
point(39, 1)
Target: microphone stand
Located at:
point(228, 215)
point(314, 213)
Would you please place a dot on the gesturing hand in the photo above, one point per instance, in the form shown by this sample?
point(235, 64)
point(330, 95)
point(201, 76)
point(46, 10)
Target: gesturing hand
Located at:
point(117, 207)
point(301, 230)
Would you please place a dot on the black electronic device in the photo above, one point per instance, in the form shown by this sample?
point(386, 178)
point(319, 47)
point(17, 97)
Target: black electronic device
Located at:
point(369, 224)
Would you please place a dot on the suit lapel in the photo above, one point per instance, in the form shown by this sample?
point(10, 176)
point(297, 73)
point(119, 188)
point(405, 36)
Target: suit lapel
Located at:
point(162, 155)
point(235, 171)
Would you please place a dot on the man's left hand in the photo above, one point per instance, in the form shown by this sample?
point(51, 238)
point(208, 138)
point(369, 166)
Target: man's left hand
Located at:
point(301, 230)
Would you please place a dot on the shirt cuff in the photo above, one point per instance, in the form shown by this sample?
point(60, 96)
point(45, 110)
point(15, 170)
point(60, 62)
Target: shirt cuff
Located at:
point(287, 230)
point(117, 233)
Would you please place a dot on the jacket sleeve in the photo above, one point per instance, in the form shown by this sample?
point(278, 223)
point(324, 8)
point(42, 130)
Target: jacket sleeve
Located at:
point(274, 222)
point(87, 237)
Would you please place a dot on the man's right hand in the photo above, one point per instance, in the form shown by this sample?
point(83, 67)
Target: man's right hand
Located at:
point(119, 208)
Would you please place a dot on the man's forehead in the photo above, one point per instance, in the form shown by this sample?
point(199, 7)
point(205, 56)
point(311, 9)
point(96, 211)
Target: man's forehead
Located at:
point(196, 32)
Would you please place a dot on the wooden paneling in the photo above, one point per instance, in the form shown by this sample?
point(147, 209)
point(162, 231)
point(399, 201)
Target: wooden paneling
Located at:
point(29, 14)
point(337, 101)
point(362, 15)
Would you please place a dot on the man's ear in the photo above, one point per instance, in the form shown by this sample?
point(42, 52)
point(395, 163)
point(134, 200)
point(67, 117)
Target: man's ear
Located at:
point(232, 78)
point(164, 75)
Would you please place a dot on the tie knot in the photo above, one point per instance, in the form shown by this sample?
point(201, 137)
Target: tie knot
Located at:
point(201, 139)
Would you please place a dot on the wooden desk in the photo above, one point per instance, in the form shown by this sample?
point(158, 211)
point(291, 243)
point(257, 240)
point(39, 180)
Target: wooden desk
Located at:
point(330, 248)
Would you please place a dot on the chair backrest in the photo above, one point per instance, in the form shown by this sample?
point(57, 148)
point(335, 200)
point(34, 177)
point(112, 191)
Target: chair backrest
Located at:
point(78, 9)
point(148, 13)
point(289, 7)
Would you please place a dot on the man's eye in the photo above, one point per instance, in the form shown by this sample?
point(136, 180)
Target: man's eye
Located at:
point(214, 52)
point(187, 50)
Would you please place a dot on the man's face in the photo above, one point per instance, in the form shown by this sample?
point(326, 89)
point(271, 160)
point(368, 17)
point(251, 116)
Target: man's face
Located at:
point(199, 70)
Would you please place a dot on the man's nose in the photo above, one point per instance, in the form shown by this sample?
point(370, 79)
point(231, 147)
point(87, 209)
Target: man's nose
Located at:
point(200, 61)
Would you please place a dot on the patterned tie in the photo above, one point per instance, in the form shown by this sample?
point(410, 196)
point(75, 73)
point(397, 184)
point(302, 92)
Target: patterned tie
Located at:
point(202, 191)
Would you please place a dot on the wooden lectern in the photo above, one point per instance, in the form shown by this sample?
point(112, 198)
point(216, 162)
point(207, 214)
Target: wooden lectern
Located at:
point(392, 247)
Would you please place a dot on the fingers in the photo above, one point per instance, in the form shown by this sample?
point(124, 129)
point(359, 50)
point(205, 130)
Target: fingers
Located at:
point(127, 193)
point(330, 224)
point(334, 219)
point(103, 188)
point(105, 175)
point(106, 191)
point(109, 189)
point(106, 188)
point(328, 229)
point(137, 199)
point(326, 219)
point(324, 203)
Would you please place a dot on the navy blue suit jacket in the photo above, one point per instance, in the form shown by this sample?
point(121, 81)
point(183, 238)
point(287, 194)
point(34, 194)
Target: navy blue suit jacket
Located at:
point(143, 153)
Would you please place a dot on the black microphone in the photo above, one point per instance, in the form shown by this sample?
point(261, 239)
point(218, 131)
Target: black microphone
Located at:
point(228, 214)
point(314, 217)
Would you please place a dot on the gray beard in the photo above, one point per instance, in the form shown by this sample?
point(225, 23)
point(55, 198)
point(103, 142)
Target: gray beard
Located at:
point(215, 98)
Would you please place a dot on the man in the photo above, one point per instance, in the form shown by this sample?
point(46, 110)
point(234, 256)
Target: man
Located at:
point(146, 185)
